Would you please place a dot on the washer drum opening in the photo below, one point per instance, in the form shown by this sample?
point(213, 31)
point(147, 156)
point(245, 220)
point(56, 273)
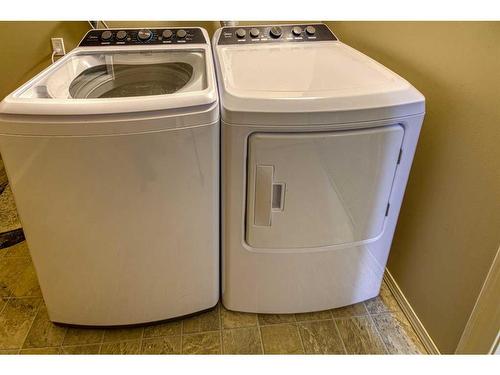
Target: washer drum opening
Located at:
point(126, 80)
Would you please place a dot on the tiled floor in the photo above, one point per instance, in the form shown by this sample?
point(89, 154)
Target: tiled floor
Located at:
point(376, 326)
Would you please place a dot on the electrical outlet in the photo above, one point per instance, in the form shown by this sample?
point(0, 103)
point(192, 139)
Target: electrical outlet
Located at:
point(58, 46)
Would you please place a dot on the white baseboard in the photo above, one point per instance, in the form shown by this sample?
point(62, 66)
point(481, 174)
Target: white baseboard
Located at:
point(415, 322)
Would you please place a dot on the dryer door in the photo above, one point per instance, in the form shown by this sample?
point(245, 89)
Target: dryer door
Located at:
point(319, 189)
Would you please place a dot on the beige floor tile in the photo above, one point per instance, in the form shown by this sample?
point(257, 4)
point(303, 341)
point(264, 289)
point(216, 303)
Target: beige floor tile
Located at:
point(357, 309)
point(397, 334)
point(83, 336)
point(204, 322)
point(266, 319)
point(18, 250)
point(321, 337)
point(81, 349)
point(27, 284)
point(241, 341)
point(41, 351)
point(15, 321)
point(317, 315)
point(122, 334)
point(360, 335)
point(11, 269)
point(281, 339)
point(235, 319)
point(384, 302)
point(164, 329)
point(43, 332)
point(123, 347)
point(162, 345)
point(202, 343)
point(9, 220)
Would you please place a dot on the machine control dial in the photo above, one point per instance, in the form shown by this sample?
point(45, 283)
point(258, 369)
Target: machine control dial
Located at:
point(121, 35)
point(310, 30)
point(106, 35)
point(167, 34)
point(297, 30)
point(254, 32)
point(241, 33)
point(181, 33)
point(144, 35)
point(275, 32)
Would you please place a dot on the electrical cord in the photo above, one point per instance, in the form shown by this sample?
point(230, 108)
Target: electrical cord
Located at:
point(96, 25)
point(53, 55)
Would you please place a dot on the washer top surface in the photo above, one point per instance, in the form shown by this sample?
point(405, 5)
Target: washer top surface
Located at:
point(122, 71)
point(303, 74)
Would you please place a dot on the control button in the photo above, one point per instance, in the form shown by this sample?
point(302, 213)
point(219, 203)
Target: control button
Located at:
point(254, 32)
point(241, 33)
point(167, 34)
point(106, 35)
point(144, 35)
point(297, 30)
point(275, 32)
point(181, 33)
point(121, 35)
point(310, 30)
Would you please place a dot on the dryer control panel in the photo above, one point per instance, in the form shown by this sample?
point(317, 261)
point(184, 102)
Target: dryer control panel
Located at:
point(276, 34)
point(127, 37)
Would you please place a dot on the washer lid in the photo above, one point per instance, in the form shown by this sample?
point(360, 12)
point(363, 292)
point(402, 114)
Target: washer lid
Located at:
point(308, 77)
point(107, 80)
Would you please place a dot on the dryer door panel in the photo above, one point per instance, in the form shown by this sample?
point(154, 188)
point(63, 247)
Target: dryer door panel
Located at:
point(319, 189)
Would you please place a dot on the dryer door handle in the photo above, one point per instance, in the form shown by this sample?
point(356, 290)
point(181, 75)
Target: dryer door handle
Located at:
point(263, 195)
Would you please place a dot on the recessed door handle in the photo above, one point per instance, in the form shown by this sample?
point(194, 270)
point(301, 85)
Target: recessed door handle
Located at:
point(263, 195)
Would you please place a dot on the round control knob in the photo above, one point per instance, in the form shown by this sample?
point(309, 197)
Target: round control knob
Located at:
point(297, 30)
point(254, 32)
point(310, 30)
point(275, 32)
point(167, 34)
point(241, 33)
point(144, 35)
point(181, 33)
point(120, 35)
point(106, 35)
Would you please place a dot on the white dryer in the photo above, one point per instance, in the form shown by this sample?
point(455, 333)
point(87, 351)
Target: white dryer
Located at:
point(113, 157)
point(317, 144)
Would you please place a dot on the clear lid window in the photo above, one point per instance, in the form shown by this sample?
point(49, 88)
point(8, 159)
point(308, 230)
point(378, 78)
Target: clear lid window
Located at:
point(122, 74)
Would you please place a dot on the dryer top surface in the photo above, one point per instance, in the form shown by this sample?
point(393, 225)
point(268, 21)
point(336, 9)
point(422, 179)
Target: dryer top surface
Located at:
point(307, 77)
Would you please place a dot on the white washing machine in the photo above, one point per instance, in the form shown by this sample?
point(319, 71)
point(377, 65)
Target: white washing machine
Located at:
point(113, 157)
point(317, 144)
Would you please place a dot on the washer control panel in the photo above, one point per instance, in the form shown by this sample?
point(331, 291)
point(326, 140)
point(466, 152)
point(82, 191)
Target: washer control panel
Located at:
point(275, 33)
point(117, 37)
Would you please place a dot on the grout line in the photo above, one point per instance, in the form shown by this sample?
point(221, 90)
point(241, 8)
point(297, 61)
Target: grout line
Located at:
point(379, 335)
point(383, 313)
point(295, 322)
point(32, 322)
point(4, 306)
point(64, 338)
point(300, 338)
point(141, 340)
point(352, 316)
point(341, 338)
point(102, 341)
point(76, 345)
point(195, 333)
point(260, 334)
